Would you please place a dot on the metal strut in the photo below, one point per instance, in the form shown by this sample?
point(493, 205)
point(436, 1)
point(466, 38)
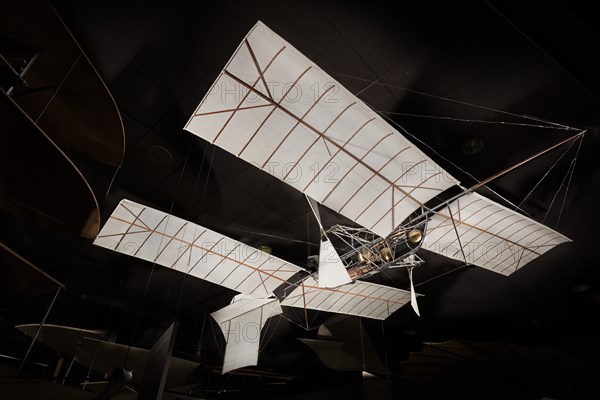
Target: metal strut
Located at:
point(40, 328)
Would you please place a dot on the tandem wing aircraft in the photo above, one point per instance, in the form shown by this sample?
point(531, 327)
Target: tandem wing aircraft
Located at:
point(280, 112)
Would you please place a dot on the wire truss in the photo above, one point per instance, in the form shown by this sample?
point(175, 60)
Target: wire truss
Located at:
point(164, 239)
point(366, 243)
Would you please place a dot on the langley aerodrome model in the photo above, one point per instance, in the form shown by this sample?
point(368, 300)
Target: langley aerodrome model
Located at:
point(274, 108)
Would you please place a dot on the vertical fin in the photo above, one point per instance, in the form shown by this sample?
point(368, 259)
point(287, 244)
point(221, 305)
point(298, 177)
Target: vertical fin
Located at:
point(332, 271)
point(413, 295)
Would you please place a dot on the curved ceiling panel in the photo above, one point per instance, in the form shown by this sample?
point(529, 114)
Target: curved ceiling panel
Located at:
point(39, 182)
point(64, 94)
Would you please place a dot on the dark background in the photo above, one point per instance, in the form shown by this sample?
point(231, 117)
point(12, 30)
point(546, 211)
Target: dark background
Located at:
point(421, 60)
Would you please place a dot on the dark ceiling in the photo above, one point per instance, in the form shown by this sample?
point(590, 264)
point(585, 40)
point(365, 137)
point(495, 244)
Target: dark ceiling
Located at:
point(453, 75)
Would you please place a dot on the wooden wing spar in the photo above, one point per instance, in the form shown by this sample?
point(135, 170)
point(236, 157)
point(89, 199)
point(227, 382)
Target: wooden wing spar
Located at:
point(363, 299)
point(172, 242)
point(167, 240)
point(489, 235)
point(276, 109)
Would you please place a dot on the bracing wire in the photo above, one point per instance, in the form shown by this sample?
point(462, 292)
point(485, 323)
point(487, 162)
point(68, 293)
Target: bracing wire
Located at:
point(297, 324)
point(210, 165)
point(453, 100)
point(440, 275)
point(266, 342)
point(427, 280)
point(574, 162)
point(187, 156)
point(462, 249)
point(314, 318)
point(546, 174)
point(200, 341)
point(292, 321)
point(555, 126)
point(479, 121)
point(268, 235)
point(200, 172)
point(451, 163)
point(549, 125)
point(384, 114)
point(558, 191)
point(112, 180)
point(362, 344)
point(387, 368)
point(160, 245)
point(212, 327)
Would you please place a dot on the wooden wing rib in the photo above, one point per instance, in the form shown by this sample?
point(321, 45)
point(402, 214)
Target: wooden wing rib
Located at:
point(492, 236)
point(360, 298)
point(277, 110)
point(155, 236)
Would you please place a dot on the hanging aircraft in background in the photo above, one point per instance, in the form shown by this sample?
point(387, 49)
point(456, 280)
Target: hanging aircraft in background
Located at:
point(276, 109)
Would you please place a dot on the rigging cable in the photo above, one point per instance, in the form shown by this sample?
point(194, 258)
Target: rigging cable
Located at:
point(212, 327)
point(159, 247)
point(557, 192)
point(314, 317)
point(383, 114)
point(479, 121)
point(266, 235)
point(452, 100)
point(199, 351)
point(296, 323)
point(112, 180)
point(266, 342)
point(546, 174)
point(185, 275)
point(183, 280)
point(453, 164)
point(387, 368)
point(569, 171)
point(362, 345)
point(462, 249)
point(574, 162)
point(440, 275)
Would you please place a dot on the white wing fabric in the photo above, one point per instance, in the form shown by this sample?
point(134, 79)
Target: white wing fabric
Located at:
point(492, 236)
point(241, 323)
point(276, 109)
point(363, 299)
point(332, 271)
point(156, 236)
